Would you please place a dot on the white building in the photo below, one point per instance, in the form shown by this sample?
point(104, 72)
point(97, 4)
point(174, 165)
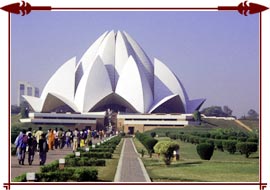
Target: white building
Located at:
point(114, 73)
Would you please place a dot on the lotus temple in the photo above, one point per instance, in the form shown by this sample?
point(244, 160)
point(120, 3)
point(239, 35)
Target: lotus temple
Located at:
point(114, 74)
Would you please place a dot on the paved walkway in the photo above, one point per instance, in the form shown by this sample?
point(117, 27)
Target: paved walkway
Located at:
point(130, 167)
point(243, 125)
point(52, 155)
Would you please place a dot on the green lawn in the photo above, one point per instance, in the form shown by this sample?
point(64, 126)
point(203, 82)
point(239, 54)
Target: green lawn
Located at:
point(223, 167)
point(107, 173)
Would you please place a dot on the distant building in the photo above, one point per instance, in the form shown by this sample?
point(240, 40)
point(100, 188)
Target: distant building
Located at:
point(25, 88)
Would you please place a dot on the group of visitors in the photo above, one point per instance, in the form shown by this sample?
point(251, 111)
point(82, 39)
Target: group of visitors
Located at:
point(41, 142)
point(27, 142)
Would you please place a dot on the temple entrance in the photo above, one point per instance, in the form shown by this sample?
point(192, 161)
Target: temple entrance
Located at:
point(131, 130)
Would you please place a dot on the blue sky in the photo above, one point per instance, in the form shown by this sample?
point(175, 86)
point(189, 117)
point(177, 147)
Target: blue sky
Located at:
point(214, 54)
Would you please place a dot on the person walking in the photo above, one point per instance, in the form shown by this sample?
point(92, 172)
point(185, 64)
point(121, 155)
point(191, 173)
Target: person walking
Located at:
point(56, 142)
point(61, 140)
point(88, 140)
point(43, 149)
point(38, 135)
point(68, 135)
point(50, 139)
point(21, 146)
point(32, 145)
point(76, 134)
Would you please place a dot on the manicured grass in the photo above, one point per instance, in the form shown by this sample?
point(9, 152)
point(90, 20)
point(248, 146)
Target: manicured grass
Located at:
point(223, 167)
point(107, 173)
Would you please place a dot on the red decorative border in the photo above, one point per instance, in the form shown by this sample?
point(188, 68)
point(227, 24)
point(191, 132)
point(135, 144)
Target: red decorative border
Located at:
point(242, 8)
point(7, 186)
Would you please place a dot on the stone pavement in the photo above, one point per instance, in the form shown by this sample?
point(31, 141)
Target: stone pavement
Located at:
point(130, 167)
point(52, 155)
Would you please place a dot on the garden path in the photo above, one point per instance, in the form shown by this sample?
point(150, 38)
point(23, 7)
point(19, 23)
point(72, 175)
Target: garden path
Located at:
point(130, 167)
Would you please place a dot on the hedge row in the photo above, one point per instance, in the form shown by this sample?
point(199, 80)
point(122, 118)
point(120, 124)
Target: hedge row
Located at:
point(220, 144)
point(84, 161)
point(202, 138)
point(101, 155)
point(67, 174)
point(99, 149)
point(148, 141)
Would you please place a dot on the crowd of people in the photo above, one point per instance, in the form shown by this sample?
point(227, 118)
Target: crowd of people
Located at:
point(39, 141)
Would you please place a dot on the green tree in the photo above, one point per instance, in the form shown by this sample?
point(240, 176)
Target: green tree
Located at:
point(214, 111)
point(252, 114)
point(229, 145)
point(247, 148)
point(24, 109)
point(197, 116)
point(227, 111)
point(15, 109)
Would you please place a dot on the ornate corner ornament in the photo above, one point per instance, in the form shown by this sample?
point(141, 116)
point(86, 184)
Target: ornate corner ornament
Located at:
point(263, 186)
point(7, 186)
point(25, 8)
point(244, 8)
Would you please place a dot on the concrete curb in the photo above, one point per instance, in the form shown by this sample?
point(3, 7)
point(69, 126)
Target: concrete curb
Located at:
point(145, 174)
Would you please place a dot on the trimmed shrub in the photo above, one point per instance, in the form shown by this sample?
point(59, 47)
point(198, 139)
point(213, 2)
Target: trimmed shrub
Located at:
point(191, 139)
point(85, 174)
point(184, 137)
point(232, 138)
point(21, 178)
point(147, 141)
point(167, 133)
point(54, 176)
point(153, 134)
point(173, 136)
point(242, 139)
point(205, 151)
point(166, 148)
point(84, 161)
point(202, 140)
point(210, 141)
point(213, 135)
point(69, 174)
point(197, 140)
point(99, 149)
point(224, 137)
point(50, 167)
point(247, 148)
point(157, 147)
point(218, 137)
point(254, 140)
point(229, 145)
point(104, 155)
point(218, 144)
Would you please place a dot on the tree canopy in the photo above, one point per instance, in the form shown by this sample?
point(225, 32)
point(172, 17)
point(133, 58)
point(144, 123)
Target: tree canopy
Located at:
point(217, 111)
